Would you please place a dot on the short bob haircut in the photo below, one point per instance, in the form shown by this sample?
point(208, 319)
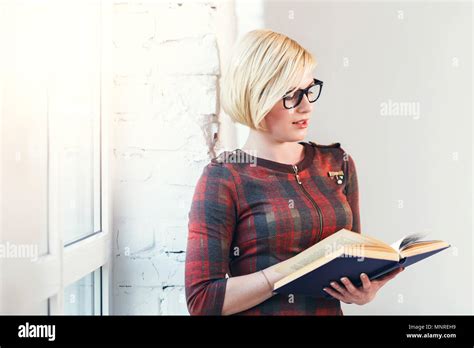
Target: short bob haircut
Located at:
point(264, 66)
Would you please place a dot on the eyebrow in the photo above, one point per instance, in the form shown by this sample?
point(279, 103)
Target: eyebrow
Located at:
point(292, 88)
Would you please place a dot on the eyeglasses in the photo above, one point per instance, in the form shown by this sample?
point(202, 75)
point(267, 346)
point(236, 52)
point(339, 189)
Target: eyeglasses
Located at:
point(312, 93)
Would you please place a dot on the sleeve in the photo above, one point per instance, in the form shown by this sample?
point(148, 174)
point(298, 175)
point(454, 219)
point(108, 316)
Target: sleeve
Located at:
point(212, 220)
point(352, 193)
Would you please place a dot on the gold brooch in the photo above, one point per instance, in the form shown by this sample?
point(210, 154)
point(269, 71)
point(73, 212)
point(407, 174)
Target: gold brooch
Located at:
point(338, 175)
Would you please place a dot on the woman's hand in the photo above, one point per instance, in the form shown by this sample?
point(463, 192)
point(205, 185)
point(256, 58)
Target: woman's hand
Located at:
point(362, 295)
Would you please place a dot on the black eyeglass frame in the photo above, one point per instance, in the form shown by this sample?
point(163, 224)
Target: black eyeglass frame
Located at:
point(305, 92)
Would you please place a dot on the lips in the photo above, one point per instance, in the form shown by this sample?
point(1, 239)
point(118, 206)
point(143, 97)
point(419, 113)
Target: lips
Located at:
point(302, 121)
point(301, 124)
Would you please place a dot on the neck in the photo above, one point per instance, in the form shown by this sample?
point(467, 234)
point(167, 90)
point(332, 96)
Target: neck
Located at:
point(286, 152)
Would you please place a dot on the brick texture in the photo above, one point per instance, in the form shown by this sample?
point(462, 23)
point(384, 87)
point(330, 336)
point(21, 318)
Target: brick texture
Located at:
point(165, 76)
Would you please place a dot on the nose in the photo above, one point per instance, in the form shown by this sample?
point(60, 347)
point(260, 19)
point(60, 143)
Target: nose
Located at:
point(305, 106)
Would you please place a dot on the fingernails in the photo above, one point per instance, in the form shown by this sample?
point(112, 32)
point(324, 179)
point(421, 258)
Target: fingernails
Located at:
point(363, 275)
point(325, 289)
point(343, 280)
point(333, 283)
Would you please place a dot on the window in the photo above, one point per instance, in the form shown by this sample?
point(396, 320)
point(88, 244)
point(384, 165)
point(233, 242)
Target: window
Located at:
point(53, 175)
point(79, 182)
point(83, 297)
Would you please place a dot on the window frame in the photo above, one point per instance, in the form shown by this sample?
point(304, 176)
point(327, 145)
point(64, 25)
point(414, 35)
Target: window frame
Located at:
point(25, 284)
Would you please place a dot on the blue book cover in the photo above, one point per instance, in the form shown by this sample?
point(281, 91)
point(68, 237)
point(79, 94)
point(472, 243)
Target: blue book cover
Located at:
point(328, 261)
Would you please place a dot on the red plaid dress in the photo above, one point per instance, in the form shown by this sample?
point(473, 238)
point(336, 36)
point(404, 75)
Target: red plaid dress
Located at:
point(246, 217)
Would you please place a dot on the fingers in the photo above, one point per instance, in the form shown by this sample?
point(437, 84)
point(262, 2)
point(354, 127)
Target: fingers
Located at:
point(348, 293)
point(339, 288)
point(349, 286)
point(335, 294)
point(365, 281)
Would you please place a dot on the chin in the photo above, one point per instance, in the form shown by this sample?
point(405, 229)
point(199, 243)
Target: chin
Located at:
point(292, 138)
point(300, 135)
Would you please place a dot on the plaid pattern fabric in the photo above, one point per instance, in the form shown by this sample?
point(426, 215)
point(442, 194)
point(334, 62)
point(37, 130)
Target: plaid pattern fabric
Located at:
point(246, 217)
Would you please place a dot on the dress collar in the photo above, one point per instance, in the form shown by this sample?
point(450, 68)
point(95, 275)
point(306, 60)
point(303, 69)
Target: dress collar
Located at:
point(287, 168)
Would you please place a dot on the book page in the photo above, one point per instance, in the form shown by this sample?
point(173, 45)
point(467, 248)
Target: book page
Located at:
point(326, 247)
point(408, 240)
point(396, 245)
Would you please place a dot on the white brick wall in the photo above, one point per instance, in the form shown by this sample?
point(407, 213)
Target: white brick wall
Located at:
point(165, 70)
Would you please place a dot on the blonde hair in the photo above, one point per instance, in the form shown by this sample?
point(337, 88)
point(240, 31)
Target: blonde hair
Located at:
point(263, 67)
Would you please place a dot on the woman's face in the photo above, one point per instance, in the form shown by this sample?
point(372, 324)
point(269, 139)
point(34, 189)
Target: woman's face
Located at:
point(281, 122)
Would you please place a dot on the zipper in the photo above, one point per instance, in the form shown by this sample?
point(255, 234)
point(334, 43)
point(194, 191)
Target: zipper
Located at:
point(300, 184)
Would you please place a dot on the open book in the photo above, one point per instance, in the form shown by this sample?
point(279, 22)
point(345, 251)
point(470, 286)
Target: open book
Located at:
point(348, 254)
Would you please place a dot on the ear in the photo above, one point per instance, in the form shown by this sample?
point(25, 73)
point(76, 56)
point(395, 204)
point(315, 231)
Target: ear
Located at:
point(262, 126)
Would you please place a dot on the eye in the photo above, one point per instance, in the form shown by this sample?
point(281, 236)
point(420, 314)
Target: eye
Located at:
point(312, 89)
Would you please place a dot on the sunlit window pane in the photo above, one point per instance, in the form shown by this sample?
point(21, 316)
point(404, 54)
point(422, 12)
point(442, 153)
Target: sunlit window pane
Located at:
point(83, 296)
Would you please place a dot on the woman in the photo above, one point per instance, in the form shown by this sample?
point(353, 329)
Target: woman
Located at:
point(249, 213)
